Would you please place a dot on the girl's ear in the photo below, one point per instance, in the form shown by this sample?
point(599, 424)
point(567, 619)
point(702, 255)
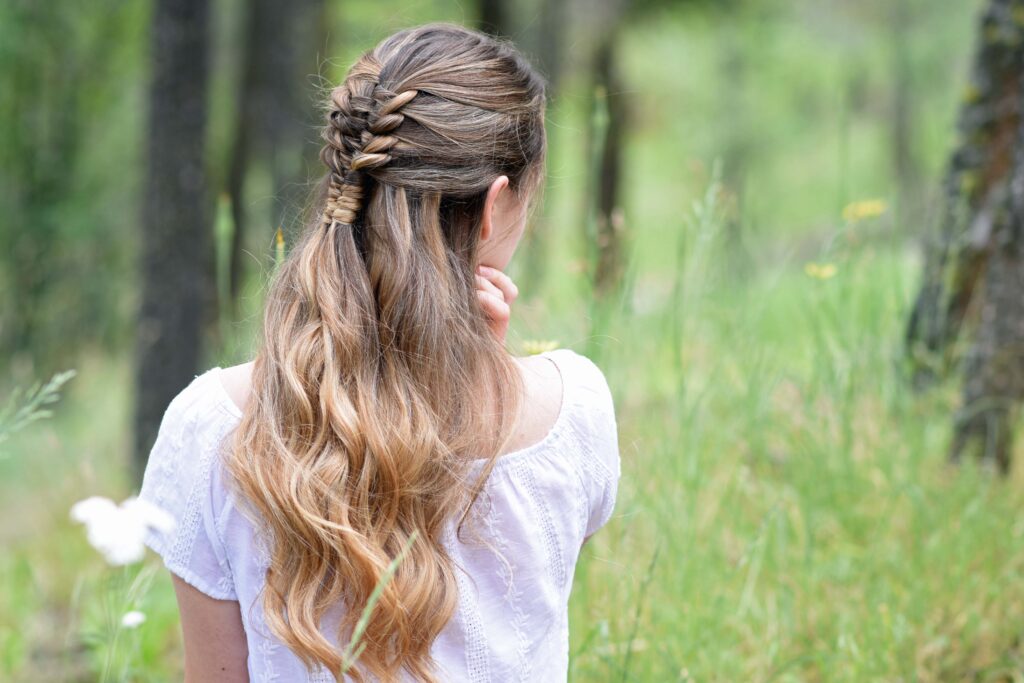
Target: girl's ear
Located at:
point(487, 224)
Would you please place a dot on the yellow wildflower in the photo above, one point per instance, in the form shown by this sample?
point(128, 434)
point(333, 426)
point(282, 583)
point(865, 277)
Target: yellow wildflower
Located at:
point(532, 347)
point(866, 208)
point(968, 182)
point(279, 246)
point(821, 271)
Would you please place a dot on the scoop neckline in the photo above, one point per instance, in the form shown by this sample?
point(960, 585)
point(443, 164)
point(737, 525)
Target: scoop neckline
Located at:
point(550, 436)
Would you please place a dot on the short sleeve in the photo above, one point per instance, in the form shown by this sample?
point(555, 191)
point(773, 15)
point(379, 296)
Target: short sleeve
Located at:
point(182, 477)
point(601, 462)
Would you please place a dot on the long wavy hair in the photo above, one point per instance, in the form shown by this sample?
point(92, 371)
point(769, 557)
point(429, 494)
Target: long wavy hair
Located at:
point(378, 381)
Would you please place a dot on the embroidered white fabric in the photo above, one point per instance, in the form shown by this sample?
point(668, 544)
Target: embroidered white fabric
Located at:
point(542, 501)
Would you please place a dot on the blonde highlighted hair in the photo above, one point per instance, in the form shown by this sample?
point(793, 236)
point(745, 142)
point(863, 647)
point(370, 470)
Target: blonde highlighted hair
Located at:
point(378, 380)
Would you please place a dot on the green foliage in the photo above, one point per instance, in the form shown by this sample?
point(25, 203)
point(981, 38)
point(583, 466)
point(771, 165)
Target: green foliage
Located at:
point(28, 406)
point(808, 526)
point(69, 84)
point(102, 600)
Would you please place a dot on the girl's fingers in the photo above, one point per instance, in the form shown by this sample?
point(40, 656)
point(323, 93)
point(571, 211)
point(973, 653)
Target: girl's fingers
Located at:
point(497, 311)
point(501, 281)
point(485, 285)
point(495, 291)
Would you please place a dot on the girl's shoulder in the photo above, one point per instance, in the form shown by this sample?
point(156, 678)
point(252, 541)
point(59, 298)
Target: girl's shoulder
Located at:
point(204, 405)
point(584, 383)
point(587, 432)
point(586, 419)
point(183, 477)
point(236, 382)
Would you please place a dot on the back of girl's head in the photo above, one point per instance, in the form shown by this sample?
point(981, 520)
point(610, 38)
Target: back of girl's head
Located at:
point(437, 108)
point(378, 380)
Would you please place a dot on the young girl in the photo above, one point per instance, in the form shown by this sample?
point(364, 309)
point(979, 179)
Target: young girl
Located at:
point(383, 407)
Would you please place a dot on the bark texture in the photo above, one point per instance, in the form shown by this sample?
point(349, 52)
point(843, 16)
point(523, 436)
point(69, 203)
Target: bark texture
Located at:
point(176, 277)
point(994, 370)
point(956, 253)
point(974, 271)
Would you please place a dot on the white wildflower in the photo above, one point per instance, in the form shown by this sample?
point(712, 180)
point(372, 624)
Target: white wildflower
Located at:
point(118, 531)
point(132, 619)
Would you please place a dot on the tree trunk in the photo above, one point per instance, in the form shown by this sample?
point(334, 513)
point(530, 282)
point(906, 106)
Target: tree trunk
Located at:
point(609, 128)
point(546, 43)
point(550, 36)
point(175, 256)
point(976, 269)
point(955, 258)
point(994, 372)
point(275, 114)
point(494, 18)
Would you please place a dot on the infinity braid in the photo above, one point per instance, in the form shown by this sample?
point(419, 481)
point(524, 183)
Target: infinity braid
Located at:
point(362, 115)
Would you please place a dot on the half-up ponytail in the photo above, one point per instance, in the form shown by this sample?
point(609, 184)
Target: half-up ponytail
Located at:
point(378, 381)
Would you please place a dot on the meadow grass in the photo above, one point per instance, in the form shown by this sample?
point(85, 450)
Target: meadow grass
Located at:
point(796, 496)
point(785, 512)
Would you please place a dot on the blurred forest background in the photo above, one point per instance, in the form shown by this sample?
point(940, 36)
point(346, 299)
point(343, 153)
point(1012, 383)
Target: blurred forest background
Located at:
point(788, 230)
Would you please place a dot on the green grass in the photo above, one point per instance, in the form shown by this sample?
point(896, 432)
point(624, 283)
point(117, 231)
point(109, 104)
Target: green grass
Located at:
point(786, 512)
point(806, 522)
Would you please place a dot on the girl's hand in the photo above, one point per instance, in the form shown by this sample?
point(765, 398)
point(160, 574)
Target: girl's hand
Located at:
point(495, 291)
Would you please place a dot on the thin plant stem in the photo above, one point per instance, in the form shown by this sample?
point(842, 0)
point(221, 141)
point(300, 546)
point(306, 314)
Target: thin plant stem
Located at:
point(355, 647)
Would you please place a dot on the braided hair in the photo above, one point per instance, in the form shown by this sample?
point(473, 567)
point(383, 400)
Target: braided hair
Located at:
point(378, 380)
point(357, 137)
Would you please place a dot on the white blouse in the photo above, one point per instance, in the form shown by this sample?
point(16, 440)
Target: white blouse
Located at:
point(511, 623)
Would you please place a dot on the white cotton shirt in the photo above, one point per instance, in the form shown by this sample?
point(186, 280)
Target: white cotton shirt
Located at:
point(511, 623)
